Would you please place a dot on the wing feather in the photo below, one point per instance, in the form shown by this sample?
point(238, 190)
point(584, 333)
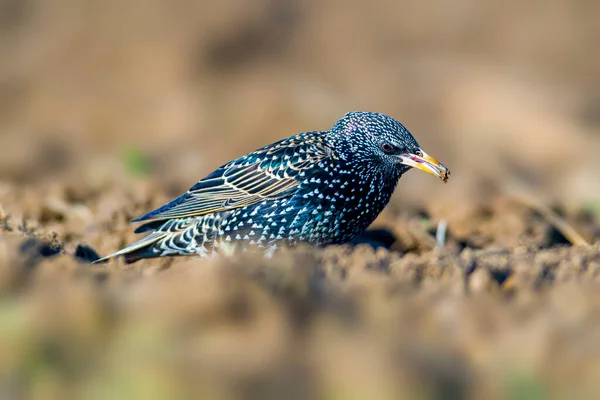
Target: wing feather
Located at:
point(269, 173)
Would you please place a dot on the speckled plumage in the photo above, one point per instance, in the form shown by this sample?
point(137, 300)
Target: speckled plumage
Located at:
point(321, 187)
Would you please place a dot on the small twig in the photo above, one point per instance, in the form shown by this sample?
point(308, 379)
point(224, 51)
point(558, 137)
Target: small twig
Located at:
point(567, 230)
point(440, 234)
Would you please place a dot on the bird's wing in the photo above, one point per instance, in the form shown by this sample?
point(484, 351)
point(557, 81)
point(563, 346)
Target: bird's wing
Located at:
point(269, 173)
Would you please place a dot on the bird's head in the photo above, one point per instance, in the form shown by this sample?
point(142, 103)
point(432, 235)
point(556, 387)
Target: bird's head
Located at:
point(377, 141)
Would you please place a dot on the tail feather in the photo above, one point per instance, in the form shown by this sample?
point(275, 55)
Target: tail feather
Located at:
point(143, 248)
point(173, 237)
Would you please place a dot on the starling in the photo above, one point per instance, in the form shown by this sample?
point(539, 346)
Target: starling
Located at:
point(320, 188)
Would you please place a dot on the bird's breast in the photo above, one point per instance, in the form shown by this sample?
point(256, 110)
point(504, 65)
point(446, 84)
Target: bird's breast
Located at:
point(335, 208)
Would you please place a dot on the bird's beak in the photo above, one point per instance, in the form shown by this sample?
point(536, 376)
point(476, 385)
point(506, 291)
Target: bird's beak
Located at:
point(425, 163)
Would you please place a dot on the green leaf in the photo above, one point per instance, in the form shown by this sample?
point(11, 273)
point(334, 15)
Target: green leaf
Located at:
point(136, 161)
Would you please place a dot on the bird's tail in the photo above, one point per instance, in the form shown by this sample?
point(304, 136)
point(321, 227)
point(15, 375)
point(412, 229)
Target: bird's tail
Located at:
point(175, 237)
point(143, 248)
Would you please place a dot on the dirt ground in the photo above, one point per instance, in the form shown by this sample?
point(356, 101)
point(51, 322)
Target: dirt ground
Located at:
point(507, 308)
point(110, 109)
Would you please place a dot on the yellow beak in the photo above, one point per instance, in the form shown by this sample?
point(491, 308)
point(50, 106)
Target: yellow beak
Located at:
point(426, 163)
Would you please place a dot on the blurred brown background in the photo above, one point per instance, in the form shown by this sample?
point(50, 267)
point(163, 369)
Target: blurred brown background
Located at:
point(110, 108)
point(500, 91)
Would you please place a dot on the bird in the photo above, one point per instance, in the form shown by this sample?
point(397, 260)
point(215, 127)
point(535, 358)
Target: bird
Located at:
point(318, 187)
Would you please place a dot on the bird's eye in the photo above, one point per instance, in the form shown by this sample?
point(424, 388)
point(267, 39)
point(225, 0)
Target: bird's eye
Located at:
point(386, 147)
point(419, 153)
